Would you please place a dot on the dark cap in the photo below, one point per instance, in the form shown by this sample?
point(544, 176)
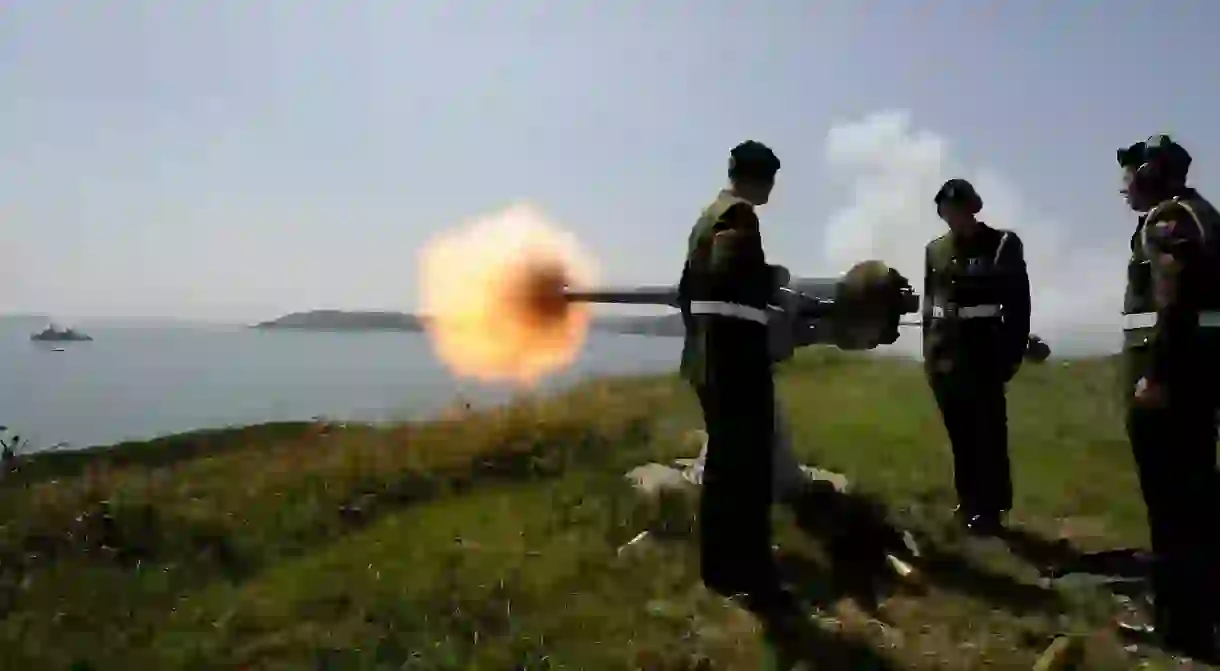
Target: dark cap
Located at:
point(753, 159)
point(960, 191)
point(1172, 157)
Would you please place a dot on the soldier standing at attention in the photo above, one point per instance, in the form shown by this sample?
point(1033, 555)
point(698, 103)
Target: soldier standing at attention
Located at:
point(1172, 360)
point(975, 332)
point(724, 293)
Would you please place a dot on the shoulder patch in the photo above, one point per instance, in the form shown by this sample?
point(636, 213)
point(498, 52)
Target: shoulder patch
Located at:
point(1182, 215)
point(1171, 209)
point(1171, 219)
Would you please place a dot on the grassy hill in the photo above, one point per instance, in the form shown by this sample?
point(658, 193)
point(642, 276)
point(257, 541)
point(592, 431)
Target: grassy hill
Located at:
point(488, 541)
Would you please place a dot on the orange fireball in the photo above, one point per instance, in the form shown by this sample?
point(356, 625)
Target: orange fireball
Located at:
point(492, 297)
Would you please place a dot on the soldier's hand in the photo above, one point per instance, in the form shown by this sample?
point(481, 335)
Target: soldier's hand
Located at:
point(1149, 394)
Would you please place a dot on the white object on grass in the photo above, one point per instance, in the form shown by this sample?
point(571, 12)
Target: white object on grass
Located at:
point(788, 474)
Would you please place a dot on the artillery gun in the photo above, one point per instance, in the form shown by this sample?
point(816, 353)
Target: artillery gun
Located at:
point(860, 310)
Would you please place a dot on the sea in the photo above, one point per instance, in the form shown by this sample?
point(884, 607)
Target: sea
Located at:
point(137, 382)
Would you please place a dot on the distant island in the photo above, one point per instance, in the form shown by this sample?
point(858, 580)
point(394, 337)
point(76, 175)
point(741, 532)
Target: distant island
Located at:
point(343, 320)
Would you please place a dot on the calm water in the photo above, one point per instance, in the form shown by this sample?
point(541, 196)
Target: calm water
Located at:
point(141, 382)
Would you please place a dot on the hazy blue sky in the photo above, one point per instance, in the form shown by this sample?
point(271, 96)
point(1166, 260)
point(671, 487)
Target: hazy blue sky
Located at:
point(229, 159)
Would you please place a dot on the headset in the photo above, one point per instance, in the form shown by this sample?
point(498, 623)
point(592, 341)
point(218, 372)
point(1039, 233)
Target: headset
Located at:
point(1155, 160)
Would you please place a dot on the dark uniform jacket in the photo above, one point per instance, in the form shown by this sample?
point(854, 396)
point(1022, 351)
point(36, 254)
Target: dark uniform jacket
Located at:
point(724, 292)
point(1172, 304)
point(976, 303)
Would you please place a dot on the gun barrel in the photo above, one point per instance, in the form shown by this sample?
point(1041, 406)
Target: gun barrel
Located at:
point(809, 303)
point(646, 295)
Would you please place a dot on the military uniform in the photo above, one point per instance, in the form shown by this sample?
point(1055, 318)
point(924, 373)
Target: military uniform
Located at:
point(725, 289)
point(1171, 340)
point(975, 327)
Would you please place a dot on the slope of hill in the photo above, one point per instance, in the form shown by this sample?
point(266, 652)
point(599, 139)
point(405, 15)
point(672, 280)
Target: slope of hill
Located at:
point(489, 540)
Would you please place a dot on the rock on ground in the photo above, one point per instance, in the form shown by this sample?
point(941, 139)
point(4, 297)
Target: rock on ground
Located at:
point(652, 479)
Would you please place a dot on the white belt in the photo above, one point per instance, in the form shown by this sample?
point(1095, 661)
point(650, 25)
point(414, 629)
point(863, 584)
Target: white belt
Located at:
point(734, 310)
point(1147, 320)
point(969, 311)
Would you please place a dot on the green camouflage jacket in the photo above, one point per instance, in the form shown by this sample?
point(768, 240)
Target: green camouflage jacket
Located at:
point(1172, 304)
point(725, 288)
point(976, 303)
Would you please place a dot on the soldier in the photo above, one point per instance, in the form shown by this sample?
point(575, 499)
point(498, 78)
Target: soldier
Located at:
point(724, 293)
point(1171, 355)
point(975, 329)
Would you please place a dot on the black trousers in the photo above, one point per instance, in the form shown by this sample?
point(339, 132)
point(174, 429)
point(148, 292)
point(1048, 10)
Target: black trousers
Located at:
point(735, 506)
point(975, 411)
point(1175, 455)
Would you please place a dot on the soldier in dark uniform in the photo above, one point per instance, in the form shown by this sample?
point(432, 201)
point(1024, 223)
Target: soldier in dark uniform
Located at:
point(1172, 361)
point(975, 332)
point(724, 293)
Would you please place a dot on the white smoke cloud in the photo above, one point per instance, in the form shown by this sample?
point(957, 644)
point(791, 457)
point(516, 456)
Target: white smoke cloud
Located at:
point(890, 171)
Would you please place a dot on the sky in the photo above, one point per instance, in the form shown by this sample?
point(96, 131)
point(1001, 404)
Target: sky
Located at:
point(231, 160)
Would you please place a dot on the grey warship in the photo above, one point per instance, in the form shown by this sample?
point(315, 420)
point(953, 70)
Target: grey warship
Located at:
point(54, 334)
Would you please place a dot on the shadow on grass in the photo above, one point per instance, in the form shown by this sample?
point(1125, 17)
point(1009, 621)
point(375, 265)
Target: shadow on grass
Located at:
point(1047, 555)
point(953, 572)
point(793, 643)
point(1057, 558)
point(858, 536)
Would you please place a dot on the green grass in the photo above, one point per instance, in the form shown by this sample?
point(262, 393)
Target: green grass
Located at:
point(488, 541)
